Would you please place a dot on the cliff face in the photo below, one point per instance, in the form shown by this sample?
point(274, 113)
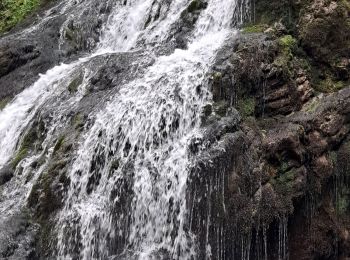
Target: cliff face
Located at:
point(278, 179)
point(268, 179)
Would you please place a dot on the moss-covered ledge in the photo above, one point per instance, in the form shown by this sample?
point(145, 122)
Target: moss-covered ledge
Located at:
point(14, 11)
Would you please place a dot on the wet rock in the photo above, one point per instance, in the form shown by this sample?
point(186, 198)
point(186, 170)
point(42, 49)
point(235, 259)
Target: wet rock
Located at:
point(40, 48)
point(17, 236)
point(6, 174)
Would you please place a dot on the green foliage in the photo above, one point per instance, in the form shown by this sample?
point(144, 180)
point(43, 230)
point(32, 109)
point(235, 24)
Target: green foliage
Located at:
point(246, 107)
point(13, 11)
point(284, 182)
point(328, 85)
point(256, 28)
point(288, 43)
point(284, 60)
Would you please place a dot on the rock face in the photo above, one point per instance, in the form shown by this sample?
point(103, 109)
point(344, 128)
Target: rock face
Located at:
point(46, 44)
point(270, 176)
point(275, 185)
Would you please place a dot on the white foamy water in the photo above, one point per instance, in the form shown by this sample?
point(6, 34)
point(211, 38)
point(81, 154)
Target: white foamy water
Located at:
point(138, 143)
point(15, 116)
point(146, 129)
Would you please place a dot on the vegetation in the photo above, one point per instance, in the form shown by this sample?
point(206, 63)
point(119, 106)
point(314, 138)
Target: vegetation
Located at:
point(22, 153)
point(78, 121)
point(28, 141)
point(288, 43)
point(329, 85)
point(256, 28)
point(246, 107)
point(14, 11)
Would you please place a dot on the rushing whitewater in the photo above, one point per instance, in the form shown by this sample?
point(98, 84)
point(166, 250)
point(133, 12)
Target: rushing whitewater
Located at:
point(127, 193)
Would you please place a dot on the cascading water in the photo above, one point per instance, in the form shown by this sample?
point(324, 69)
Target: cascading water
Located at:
point(127, 191)
point(145, 129)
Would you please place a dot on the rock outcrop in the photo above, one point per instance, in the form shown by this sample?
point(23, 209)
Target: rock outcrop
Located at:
point(275, 184)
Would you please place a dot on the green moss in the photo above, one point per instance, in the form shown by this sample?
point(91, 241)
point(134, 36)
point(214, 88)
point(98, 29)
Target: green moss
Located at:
point(42, 195)
point(256, 28)
point(4, 102)
point(288, 45)
point(342, 205)
point(288, 176)
point(14, 11)
point(48, 200)
point(78, 121)
point(58, 144)
point(76, 82)
point(69, 34)
point(284, 61)
point(27, 142)
point(21, 154)
point(287, 41)
point(328, 85)
point(284, 183)
point(283, 168)
point(246, 107)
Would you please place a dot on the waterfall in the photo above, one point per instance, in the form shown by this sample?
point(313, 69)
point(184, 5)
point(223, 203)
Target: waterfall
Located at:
point(128, 177)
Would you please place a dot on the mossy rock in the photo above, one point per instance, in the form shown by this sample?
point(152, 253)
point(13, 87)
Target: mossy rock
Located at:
point(58, 144)
point(76, 82)
point(329, 85)
point(288, 43)
point(32, 137)
point(21, 154)
point(78, 121)
point(246, 107)
point(43, 196)
point(283, 184)
point(4, 102)
point(255, 28)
